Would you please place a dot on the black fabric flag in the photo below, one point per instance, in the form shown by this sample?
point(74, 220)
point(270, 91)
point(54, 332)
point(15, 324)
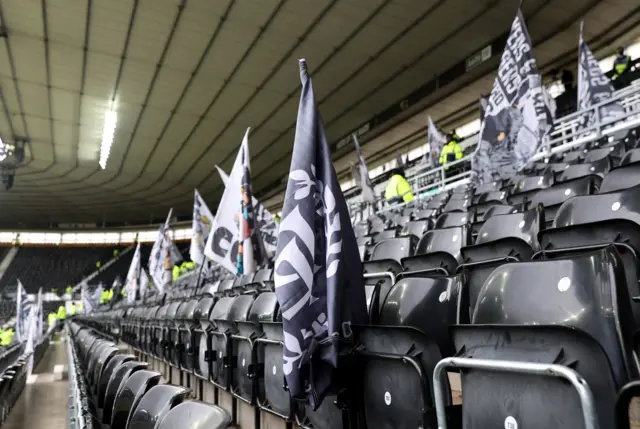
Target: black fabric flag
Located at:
point(318, 273)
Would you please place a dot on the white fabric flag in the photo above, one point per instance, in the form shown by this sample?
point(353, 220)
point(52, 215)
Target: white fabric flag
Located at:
point(31, 334)
point(133, 276)
point(264, 218)
point(163, 256)
point(201, 227)
point(40, 319)
point(436, 141)
point(222, 245)
point(21, 313)
point(144, 283)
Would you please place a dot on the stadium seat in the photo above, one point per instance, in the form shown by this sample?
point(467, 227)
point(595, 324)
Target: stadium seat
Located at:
point(552, 198)
point(275, 397)
point(457, 205)
point(586, 330)
point(524, 188)
point(425, 214)
point(417, 228)
point(155, 405)
point(482, 202)
point(575, 157)
point(130, 394)
point(499, 209)
point(219, 354)
point(201, 339)
point(438, 251)
point(502, 239)
point(596, 170)
point(116, 382)
point(623, 177)
point(400, 352)
point(614, 151)
point(107, 374)
point(451, 219)
point(195, 415)
point(630, 157)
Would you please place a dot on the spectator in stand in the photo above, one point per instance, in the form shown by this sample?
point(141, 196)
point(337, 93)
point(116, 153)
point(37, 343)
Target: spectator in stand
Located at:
point(621, 69)
point(398, 189)
point(566, 103)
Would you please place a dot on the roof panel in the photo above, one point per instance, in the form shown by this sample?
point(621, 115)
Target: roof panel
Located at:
point(151, 30)
point(28, 54)
point(200, 94)
point(230, 100)
point(102, 72)
point(34, 99)
point(66, 66)
point(109, 24)
point(168, 88)
point(67, 22)
point(23, 19)
point(136, 81)
point(65, 105)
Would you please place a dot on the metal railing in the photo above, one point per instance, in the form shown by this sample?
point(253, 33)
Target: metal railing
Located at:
point(567, 133)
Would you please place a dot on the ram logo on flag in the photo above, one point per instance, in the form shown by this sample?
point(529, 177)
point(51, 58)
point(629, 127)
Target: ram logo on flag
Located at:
point(133, 276)
point(594, 87)
point(90, 298)
point(264, 219)
point(201, 227)
point(318, 273)
point(517, 116)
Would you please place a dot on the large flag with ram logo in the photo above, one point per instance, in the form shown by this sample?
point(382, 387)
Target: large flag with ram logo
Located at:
point(517, 116)
point(235, 241)
point(594, 87)
point(201, 227)
point(318, 273)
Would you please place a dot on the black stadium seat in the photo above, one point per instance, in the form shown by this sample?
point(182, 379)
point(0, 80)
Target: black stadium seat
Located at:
point(586, 329)
point(597, 169)
point(438, 251)
point(552, 198)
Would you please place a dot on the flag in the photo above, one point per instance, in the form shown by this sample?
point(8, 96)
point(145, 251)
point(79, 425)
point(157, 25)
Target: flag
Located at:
point(31, 327)
point(318, 273)
point(163, 256)
point(201, 226)
point(265, 220)
point(366, 186)
point(484, 102)
point(251, 252)
point(22, 301)
point(594, 87)
point(235, 241)
point(517, 117)
point(144, 283)
point(399, 161)
point(40, 317)
point(90, 299)
point(436, 141)
point(133, 276)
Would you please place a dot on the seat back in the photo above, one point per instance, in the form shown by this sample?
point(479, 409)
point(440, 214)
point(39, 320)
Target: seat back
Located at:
point(116, 382)
point(110, 368)
point(438, 250)
point(581, 330)
point(623, 177)
point(630, 157)
point(394, 392)
point(451, 219)
point(417, 228)
point(155, 405)
point(598, 168)
point(195, 415)
point(130, 394)
point(394, 248)
point(553, 197)
point(457, 205)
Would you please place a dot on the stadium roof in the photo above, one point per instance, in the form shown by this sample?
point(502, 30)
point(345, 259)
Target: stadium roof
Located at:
point(186, 78)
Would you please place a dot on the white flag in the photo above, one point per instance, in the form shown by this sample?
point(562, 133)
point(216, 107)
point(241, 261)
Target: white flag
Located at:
point(30, 343)
point(436, 141)
point(40, 319)
point(21, 313)
point(223, 243)
point(201, 227)
point(133, 276)
point(144, 283)
point(264, 218)
point(163, 256)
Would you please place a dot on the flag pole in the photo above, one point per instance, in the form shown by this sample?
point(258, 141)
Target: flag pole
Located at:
point(199, 275)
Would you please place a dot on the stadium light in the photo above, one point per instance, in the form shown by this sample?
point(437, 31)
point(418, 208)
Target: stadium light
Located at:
point(107, 137)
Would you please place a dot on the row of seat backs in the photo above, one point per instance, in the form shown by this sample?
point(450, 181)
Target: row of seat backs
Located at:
point(127, 395)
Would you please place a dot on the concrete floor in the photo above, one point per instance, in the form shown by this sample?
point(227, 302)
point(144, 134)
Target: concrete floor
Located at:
point(43, 403)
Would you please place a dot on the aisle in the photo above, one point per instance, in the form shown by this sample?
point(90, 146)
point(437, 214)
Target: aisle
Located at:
point(43, 403)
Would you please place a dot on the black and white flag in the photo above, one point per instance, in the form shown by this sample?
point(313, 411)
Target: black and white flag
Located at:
point(366, 186)
point(318, 273)
point(436, 141)
point(132, 281)
point(484, 102)
point(264, 218)
point(517, 116)
point(200, 228)
point(594, 87)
